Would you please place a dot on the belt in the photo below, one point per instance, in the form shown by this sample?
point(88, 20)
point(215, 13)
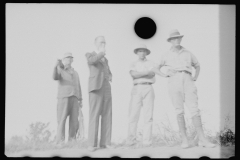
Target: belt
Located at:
point(143, 83)
point(185, 72)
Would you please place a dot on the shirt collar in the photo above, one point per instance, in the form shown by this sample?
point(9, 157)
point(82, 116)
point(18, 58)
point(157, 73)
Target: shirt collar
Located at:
point(182, 48)
point(143, 60)
point(68, 68)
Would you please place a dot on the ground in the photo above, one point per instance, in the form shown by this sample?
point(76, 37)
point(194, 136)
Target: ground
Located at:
point(153, 152)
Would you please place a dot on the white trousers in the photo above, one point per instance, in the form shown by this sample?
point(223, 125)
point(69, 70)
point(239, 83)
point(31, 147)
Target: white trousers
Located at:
point(141, 96)
point(183, 90)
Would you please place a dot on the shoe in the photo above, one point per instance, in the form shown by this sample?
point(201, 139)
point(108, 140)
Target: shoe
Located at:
point(107, 146)
point(131, 143)
point(91, 149)
point(206, 144)
point(147, 144)
point(184, 145)
point(59, 145)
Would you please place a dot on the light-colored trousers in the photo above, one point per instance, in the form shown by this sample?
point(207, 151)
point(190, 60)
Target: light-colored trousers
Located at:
point(183, 90)
point(100, 105)
point(141, 96)
point(67, 106)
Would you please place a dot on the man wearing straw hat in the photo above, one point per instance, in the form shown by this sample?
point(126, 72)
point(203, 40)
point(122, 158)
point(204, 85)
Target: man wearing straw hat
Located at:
point(181, 86)
point(142, 95)
point(69, 97)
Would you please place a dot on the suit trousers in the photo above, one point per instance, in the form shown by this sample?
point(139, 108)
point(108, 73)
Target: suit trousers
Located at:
point(67, 106)
point(141, 96)
point(182, 90)
point(100, 105)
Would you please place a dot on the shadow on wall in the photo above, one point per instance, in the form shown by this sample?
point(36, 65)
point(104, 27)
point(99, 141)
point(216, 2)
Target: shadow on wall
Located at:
point(227, 23)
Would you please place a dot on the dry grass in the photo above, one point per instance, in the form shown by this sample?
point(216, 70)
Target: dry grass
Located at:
point(39, 139)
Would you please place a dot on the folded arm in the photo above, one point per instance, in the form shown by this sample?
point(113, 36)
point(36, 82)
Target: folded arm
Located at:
point(94, 58)
point(144, 74)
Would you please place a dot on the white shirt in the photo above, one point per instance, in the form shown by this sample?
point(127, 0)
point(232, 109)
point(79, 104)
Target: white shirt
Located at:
point(142, 66)
point(181, 60)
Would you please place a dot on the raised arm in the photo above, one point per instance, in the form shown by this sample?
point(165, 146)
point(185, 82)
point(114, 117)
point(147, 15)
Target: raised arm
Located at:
point(94, 58)
point(56, 72)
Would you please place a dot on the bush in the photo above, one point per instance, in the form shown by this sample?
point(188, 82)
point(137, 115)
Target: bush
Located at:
point(227, 137)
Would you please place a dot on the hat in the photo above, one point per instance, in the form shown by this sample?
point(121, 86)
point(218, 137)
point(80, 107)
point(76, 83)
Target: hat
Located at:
point(174, 34)
point(67, 54)
point(142, 46)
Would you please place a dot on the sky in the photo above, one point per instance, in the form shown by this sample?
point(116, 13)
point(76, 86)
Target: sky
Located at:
point(38, 34)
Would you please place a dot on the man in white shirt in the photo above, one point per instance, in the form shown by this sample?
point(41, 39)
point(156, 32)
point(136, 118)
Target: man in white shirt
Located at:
point(142, 95)
point(181, 86)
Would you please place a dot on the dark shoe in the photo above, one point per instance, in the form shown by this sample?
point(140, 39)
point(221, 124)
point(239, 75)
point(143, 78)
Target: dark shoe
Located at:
point(107, 146)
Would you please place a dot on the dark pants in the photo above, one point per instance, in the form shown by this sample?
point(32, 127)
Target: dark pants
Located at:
point(100, 102)
point(68, 106)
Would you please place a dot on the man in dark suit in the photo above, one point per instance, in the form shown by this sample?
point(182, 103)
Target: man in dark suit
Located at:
point(100, 99)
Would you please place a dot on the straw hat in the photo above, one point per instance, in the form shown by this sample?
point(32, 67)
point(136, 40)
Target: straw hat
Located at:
point(174, 34)
point(142, 46)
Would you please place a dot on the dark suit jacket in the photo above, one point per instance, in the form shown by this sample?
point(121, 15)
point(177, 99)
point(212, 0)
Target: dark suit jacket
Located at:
point(96, 70)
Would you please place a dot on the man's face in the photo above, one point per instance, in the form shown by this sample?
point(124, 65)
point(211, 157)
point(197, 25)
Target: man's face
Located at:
point(67, 60)
point(100, 42)
point(176, 41)
point(142, 53)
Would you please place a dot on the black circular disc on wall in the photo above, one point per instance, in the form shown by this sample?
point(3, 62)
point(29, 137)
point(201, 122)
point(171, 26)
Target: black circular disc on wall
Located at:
point(145, 27)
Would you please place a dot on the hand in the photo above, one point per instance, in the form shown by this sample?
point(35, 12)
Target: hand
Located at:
point(150, 74)
point(59, 63)
point(110, 78)
point(194, 78)
point(80, 103)
point(167, 75)
point(102, 49)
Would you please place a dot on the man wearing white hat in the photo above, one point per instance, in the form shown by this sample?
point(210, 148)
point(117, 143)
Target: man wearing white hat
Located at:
point(69, 97)
point(142, 95)
point(181, 86)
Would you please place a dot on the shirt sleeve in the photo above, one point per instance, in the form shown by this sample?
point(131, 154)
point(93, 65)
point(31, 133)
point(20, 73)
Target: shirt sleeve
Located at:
point(194, 61)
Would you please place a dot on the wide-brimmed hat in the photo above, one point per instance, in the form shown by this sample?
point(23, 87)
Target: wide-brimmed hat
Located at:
point(67, 54)
point(142, 46)
point(174, 34)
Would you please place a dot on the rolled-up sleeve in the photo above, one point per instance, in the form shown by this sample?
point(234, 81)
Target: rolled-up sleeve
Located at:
point(194, 61)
